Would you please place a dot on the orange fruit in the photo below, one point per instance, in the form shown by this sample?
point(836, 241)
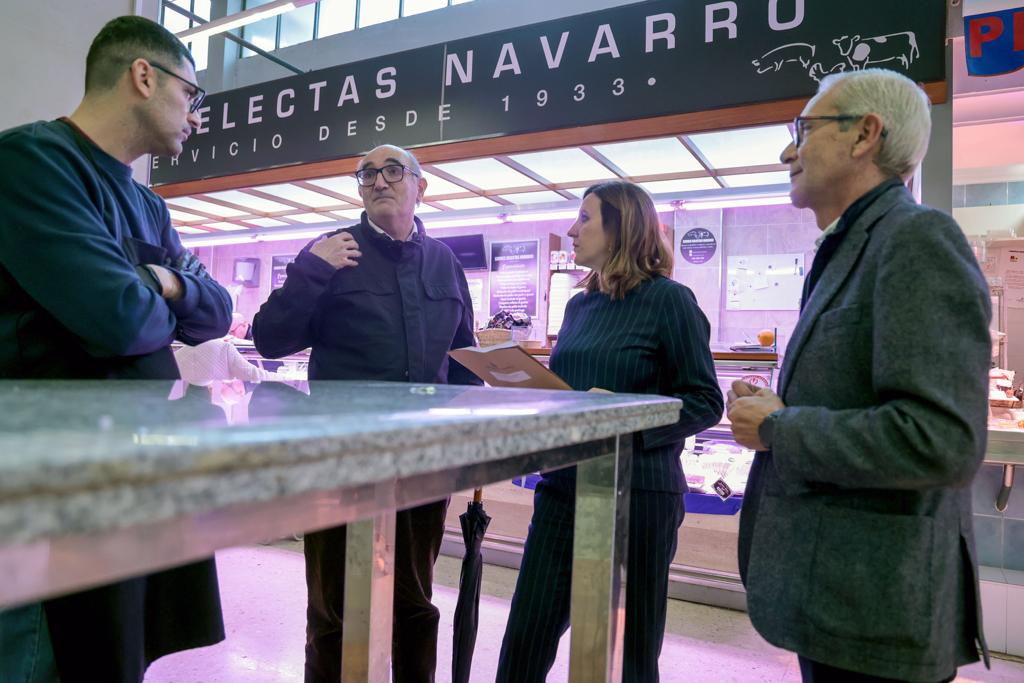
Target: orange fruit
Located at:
point(766, 337)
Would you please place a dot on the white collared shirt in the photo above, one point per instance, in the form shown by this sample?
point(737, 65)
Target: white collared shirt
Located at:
point(825, 233)
point(381, 230)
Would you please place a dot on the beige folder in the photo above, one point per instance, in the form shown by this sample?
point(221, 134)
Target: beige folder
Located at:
point(507, 365)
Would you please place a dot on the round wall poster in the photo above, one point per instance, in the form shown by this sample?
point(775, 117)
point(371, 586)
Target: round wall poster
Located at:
point(698, 246)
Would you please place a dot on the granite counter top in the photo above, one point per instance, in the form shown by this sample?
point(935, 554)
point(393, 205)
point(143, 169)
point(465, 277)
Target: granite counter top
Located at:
point(84, 457)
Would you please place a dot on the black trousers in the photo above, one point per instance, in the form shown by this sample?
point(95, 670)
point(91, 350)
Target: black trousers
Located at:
point(815, 672)
point(418, 535)
point(540, 606)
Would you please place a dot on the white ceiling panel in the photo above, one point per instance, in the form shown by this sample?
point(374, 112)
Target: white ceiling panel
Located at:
point(251, 202)
point(437, 185)
point(542, 197)
point(648, 157)
point(186, 230)
point(686, 185)
point(206, 207)
point(298, 194)
point(182, 216)
point(225, 226)
point(348, 214)
point(487, 174)
point(469, 203)
point(266, 222)
point(743, 147)
point(755, 179)
point(313, 218)
point(342, 184)
point(426, 208)
point(564, 165)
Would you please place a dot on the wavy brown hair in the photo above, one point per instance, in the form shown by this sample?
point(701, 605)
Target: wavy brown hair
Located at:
point(639, 250)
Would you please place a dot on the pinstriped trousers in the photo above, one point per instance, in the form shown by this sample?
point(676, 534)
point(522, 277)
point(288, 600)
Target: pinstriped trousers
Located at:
point(540, 606)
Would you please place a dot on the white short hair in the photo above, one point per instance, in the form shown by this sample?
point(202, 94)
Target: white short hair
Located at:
point(902, 105)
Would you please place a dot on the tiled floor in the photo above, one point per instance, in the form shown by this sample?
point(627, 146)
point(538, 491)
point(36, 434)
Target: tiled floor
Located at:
point(264, 603)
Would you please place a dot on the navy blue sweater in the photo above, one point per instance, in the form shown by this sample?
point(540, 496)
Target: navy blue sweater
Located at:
point(654, 341)
point(73, 227)
point(392, 317)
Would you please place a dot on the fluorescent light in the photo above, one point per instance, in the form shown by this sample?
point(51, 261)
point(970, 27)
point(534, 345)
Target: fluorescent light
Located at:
point(735, 203)
point(463, 222)
point(244, 18)
point(541, 216)
point(664, 208)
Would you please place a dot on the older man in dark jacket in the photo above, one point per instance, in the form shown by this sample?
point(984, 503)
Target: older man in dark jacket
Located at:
point(95, 284)
point(856, 544)
point(376, 301)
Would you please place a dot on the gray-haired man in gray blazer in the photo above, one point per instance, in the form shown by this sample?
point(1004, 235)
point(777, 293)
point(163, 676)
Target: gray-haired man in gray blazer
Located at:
point(856, 546)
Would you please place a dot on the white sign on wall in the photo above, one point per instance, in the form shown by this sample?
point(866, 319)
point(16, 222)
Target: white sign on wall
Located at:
point(772, 282)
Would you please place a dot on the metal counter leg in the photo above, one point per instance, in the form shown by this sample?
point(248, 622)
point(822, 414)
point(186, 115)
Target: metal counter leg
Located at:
point(600, 543)
point(369, 596)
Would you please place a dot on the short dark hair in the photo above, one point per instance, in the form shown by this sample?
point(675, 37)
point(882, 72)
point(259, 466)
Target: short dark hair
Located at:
point(125, 39)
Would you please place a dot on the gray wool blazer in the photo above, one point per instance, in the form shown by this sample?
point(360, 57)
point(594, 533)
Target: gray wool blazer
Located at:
point(856, 545)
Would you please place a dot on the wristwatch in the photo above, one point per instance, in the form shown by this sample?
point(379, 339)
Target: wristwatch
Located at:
point(766, 431)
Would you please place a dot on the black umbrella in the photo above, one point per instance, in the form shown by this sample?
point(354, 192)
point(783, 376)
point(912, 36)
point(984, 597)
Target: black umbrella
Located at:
point(467, 610)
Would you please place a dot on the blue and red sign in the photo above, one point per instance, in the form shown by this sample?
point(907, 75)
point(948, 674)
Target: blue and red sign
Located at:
point(995, 42)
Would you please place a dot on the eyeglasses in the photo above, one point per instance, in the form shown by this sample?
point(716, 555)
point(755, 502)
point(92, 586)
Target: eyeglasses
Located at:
point(392, 173)
point(198, 94)
point(800, 125)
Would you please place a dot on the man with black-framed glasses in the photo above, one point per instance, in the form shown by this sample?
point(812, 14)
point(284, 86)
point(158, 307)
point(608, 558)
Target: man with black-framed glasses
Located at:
point(94, 284)
point(856, 544)
point(378, 300)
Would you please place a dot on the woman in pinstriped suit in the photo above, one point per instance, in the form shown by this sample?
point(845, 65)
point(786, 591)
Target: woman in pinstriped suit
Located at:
point(632, 330)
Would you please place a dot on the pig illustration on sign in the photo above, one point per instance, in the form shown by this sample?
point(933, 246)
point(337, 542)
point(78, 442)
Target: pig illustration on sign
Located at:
point(773, 60)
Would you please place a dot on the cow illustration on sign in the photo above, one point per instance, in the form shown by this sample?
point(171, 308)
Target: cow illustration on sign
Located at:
point(855, 53)
point(864, 52)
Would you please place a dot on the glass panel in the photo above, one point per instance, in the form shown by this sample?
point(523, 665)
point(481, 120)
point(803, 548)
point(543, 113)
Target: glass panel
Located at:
point(564, 166)
point(648, 157)
point(419, 6)
point(336, 16)
point(487, 174)
point(686, 185)
point(186, 230)
point(313, 218)
point(297, 25)
point(343, 184)
point(543, 197)
point(266, 222)
point(469, 203)
point(262, 34)
point(252, 202)
point(183, 216)
point(201, 8)
point(745, 147)
point(300, 195)
point(377, 12)
point(223, 225)
point(437, 185)
point(173, 21)
point(206, 207)
point(200, 53)
point(754, 179)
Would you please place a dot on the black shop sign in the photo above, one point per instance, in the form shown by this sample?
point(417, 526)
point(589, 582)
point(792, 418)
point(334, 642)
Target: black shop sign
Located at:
point(637, 61)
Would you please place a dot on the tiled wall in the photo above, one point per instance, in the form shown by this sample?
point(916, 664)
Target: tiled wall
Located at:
point(999, 535)
point(1000, 542)
point(988, 194)
point(746, 231)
